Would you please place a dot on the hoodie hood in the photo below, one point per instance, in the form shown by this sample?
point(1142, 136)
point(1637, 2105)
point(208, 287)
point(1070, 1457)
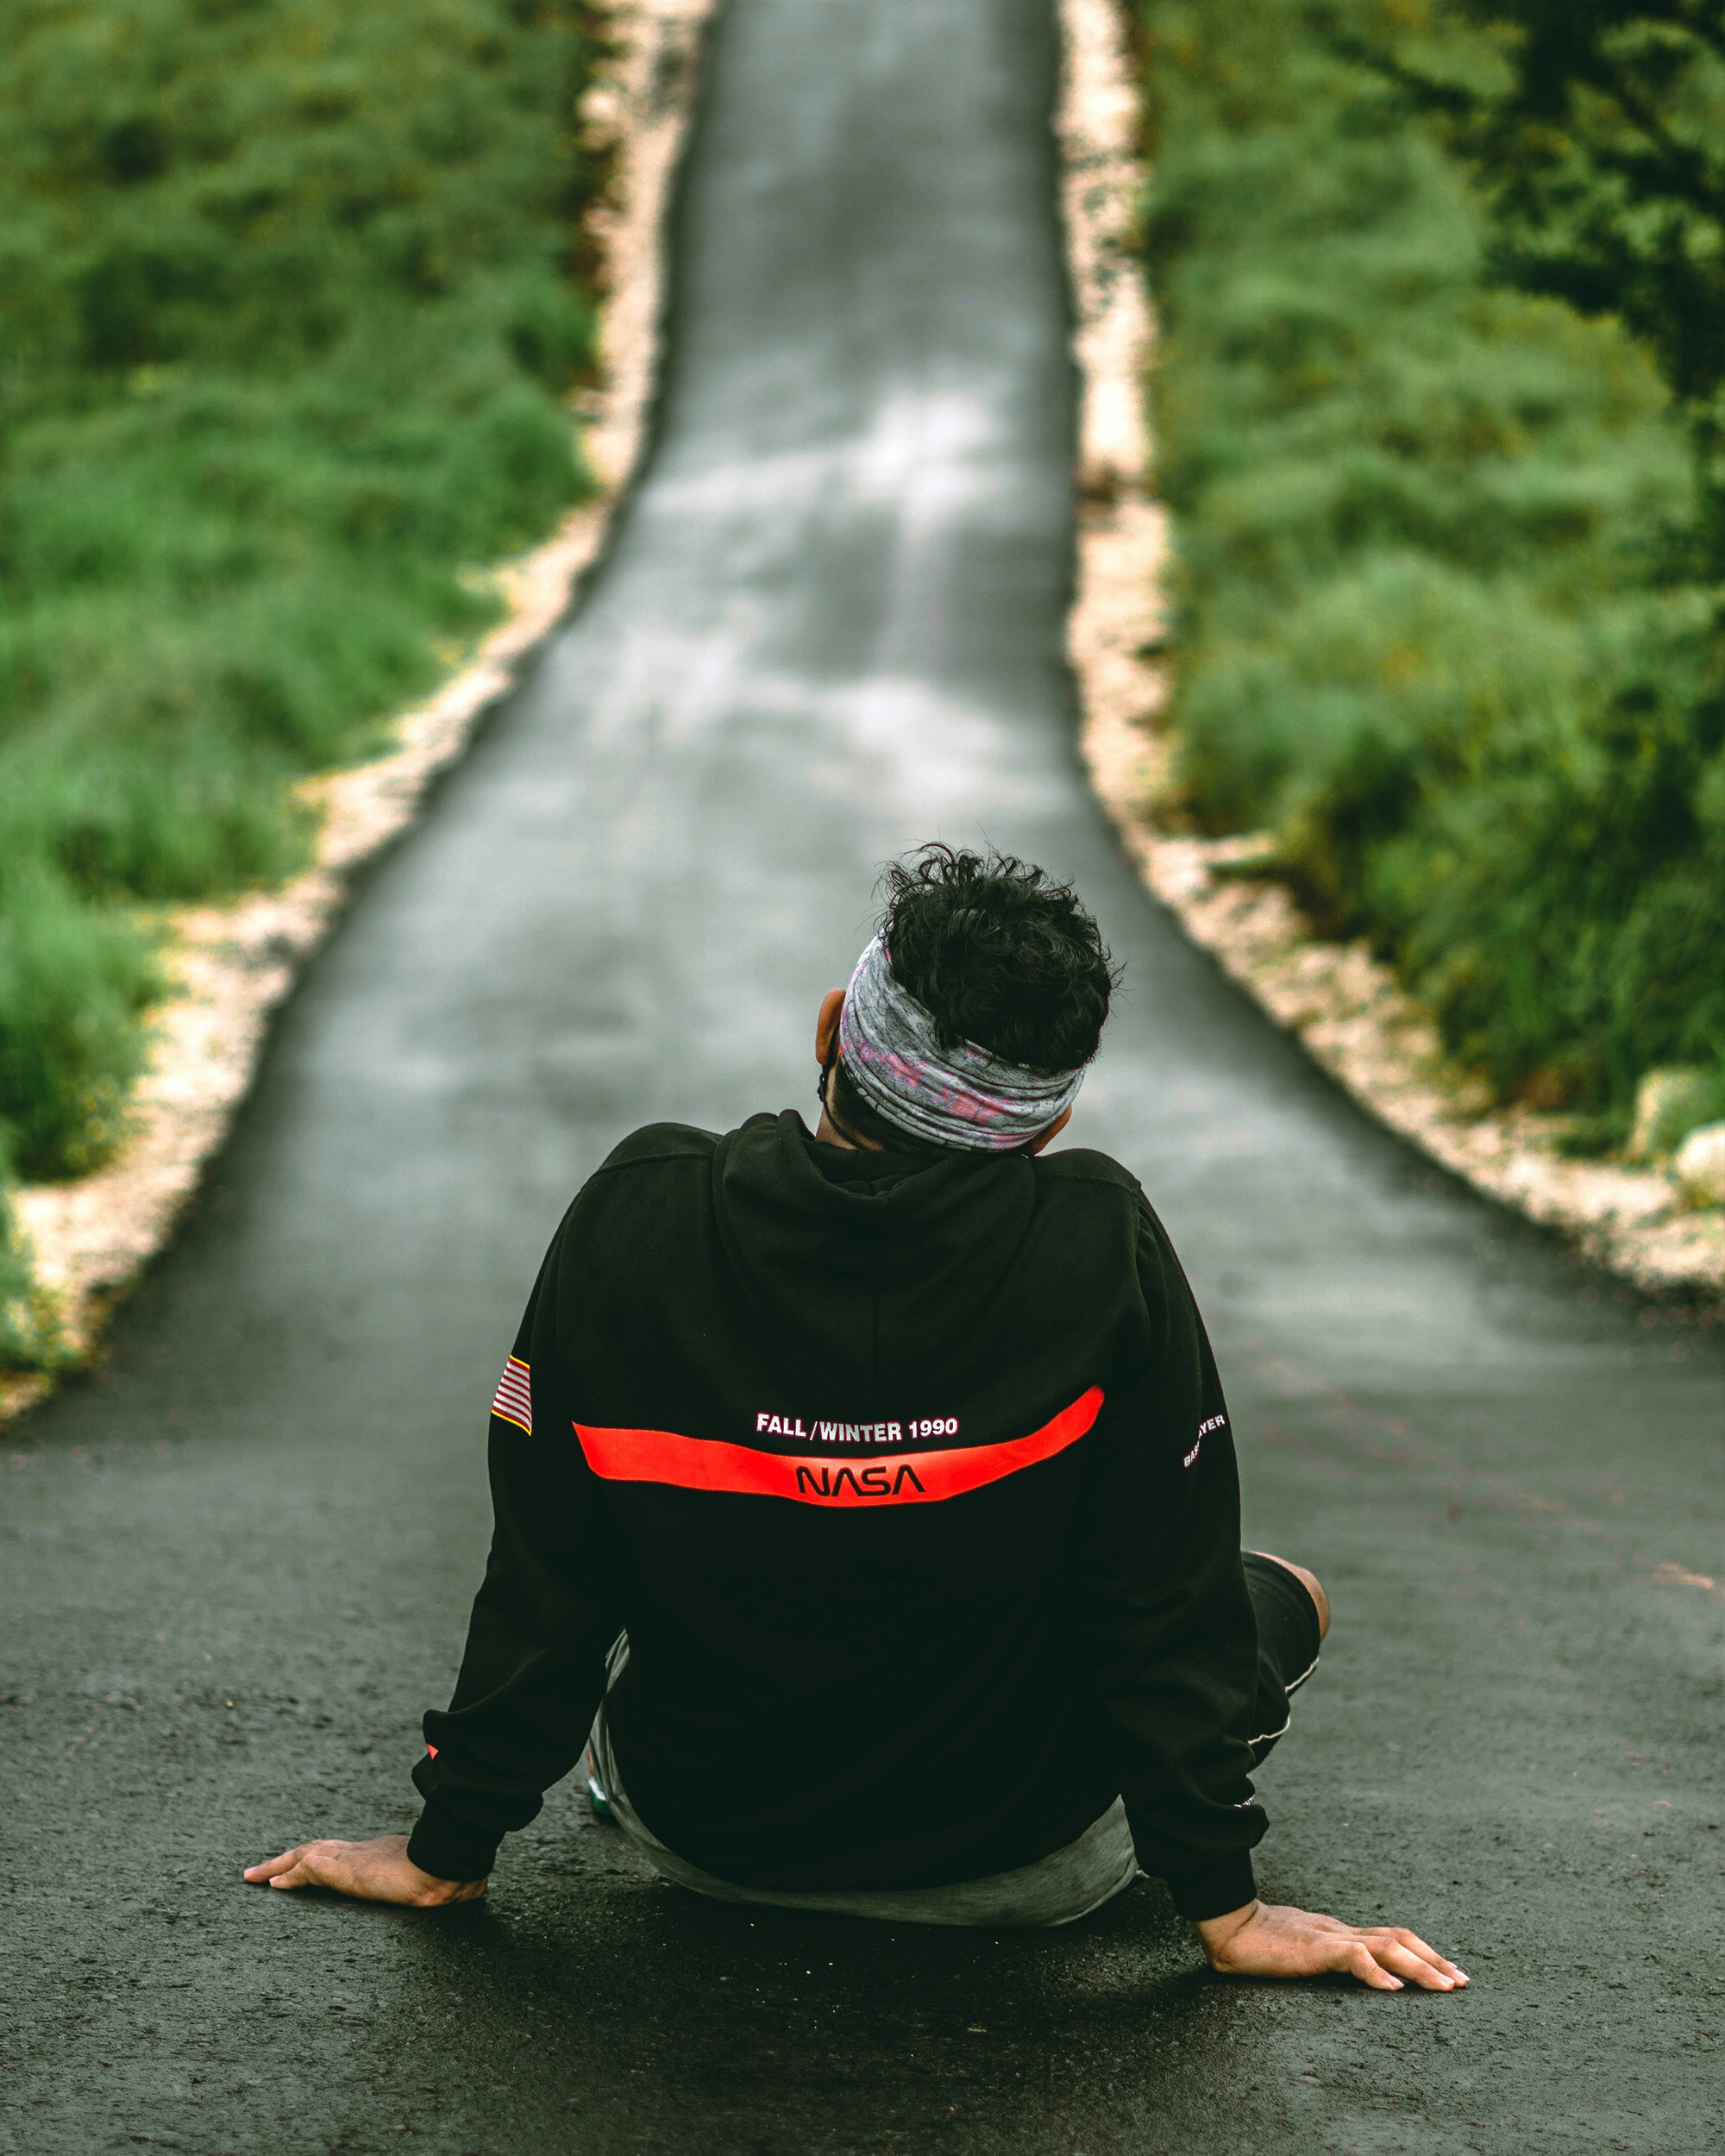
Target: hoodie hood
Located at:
point(816, 1234)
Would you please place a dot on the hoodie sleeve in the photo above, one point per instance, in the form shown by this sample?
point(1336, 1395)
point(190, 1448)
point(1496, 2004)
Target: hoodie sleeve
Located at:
point(1173, 1641)
point(532, 1674)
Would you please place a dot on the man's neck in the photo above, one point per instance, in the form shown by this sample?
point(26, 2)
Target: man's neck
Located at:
point(829, 1133)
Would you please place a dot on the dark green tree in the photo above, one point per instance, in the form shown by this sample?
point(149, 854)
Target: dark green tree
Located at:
point(1600, 140)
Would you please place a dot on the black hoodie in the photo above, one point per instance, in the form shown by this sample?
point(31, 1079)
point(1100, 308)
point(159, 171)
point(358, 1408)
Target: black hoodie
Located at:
point(912, 1486)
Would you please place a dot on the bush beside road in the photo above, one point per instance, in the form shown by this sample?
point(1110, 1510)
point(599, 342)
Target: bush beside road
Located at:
point(293, 301)
point(1443, 626)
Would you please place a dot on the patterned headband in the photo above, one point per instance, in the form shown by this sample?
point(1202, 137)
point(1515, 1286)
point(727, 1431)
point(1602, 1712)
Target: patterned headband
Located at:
point(961, 1096)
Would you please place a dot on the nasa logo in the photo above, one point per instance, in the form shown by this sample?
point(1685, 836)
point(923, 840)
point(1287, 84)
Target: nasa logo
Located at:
point(862, 1482)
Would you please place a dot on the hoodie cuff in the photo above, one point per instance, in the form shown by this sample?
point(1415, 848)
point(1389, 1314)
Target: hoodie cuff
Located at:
point(1217, 1891)
point(440, 1844)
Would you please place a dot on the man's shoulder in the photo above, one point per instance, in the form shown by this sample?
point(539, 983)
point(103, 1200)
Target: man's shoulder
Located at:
point(1096, 1179)
point(1081, 1165)
point(658, 1145)
point(654, 1173)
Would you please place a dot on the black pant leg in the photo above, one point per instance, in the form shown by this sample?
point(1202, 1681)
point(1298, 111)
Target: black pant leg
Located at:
point(1288, 1642)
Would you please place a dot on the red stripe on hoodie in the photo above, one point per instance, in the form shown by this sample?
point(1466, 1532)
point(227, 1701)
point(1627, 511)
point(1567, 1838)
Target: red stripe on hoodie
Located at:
point(903, 1478)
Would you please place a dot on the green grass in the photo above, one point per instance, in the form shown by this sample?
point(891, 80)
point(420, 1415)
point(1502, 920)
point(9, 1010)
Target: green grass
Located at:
point(31, 1334)
point(1431, 630)
point(290, 306)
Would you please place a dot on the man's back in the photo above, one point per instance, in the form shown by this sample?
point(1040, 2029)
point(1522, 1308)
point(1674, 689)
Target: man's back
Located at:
point(877, 1457)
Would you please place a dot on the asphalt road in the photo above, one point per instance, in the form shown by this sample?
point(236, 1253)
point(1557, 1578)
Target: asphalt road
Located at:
point(237, 1563)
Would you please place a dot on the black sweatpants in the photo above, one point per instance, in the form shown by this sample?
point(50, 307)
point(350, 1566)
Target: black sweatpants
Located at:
point(1288, 1641)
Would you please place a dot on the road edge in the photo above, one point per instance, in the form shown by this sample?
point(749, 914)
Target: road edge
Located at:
point(1344, 1006)
point(232, 965)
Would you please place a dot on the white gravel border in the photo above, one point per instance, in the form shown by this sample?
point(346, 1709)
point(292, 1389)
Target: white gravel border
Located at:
point(232, 964)
point(1346, 1005)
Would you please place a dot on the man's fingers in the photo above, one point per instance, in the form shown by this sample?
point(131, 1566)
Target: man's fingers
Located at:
point(1405, 1955)
point(1404, 1962)
point(309, 1864)
point(257, 1873)
point(1359, 1960)
point(1402, 1936)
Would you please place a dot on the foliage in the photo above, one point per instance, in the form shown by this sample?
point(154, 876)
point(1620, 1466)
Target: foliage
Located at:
point(289, 306)
point(1600, 134)
point(1430, 627)
point(31, 1335)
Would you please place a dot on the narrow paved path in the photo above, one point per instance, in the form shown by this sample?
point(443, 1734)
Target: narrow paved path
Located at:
point(237, 1564)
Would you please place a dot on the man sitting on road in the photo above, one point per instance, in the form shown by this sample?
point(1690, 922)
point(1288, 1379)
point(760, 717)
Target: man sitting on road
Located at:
point(866, 1500)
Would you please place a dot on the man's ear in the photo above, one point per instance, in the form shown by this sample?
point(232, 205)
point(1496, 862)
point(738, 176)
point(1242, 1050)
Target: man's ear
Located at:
point(826, 1026)
point(1048, 1137)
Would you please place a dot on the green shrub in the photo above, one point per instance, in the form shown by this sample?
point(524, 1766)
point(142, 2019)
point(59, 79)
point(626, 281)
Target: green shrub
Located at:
point(1427, 530)
point(74, 978)
point(31, 1337)
point(290, 301)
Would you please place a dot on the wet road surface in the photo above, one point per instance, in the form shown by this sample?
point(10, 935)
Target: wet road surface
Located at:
point(237, 1564)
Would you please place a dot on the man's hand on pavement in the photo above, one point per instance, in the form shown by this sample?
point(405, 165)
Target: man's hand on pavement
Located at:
point(375, 1870)
point(1262, 1939)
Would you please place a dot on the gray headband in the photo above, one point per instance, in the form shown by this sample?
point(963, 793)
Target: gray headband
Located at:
point(961, 1096)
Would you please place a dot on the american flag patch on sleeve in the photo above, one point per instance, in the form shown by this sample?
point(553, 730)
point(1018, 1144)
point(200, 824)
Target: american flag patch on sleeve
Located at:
point(514, 1400)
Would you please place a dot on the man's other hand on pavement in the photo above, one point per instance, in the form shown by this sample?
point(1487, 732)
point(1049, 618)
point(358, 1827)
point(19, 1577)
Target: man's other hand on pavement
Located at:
point(375, 1870)
point(1264, 1939)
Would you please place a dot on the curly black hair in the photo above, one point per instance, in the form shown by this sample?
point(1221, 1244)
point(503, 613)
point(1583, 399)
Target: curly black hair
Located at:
point(996, 952)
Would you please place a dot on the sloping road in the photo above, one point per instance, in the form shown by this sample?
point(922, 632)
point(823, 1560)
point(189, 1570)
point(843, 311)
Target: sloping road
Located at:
point(236, 1564)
